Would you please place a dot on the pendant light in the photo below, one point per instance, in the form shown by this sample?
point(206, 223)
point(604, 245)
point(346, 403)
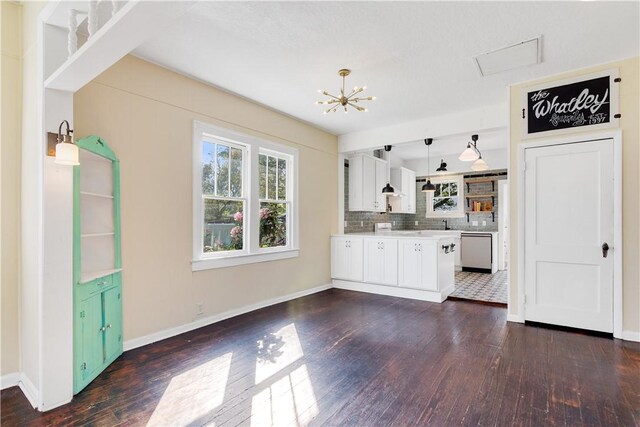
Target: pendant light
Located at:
point(442, 167)
point(471, 153)
point(479, 165)
point(428, 187)
point(388, 190)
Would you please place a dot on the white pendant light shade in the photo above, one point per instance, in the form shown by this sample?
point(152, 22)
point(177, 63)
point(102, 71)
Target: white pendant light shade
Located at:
point(469, 155)
point(479, 165)
point(67, 154)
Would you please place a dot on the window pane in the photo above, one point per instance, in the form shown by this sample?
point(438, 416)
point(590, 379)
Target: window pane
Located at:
point(445, 204)
point(208, 171)
point(453, 188)
point(282, 179)
point(438, 191)
point(271, 178)
point(222, 171)
point(236, 172)
point(273, 224)
point(223, 225)
point(262, 174)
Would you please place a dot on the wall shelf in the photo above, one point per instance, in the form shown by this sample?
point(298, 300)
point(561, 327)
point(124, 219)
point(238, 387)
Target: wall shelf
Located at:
point(481, 196)
point(482, 181)
point(90, 194)
point(97, 234)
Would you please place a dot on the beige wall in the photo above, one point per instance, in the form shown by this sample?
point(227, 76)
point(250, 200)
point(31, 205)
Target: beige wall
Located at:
point(145, 113)
point(10, 124)
point(629, 124)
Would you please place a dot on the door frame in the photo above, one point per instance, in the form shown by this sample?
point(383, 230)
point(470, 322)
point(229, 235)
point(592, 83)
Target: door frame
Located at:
point(616, 137)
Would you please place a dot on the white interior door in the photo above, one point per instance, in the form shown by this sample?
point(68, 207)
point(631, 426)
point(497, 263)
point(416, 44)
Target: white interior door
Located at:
point(569, 213)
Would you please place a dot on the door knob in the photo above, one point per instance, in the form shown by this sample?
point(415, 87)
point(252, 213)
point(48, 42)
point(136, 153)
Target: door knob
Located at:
point(605, 249)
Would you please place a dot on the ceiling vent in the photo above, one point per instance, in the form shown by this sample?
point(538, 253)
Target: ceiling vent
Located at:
point(519, 55)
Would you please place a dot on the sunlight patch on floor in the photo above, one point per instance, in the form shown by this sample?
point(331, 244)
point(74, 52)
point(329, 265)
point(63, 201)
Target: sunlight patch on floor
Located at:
point(289, 401)
point(193, 393)
point(276, 351)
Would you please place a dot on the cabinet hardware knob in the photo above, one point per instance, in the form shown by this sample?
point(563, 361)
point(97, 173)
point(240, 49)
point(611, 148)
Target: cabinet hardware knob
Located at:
point(605, 249)
point(109, 326)
point(104, 282)
point(102, 329)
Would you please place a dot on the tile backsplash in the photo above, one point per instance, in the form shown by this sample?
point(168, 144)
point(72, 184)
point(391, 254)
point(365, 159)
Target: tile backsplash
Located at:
point(357, 222)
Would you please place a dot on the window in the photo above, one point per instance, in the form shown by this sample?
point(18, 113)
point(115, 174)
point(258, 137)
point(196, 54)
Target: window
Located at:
point(274, 200)
point(245, 208)
point(448, 199)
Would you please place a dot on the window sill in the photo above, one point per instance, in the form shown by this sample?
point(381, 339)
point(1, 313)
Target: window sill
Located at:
point(233, 260)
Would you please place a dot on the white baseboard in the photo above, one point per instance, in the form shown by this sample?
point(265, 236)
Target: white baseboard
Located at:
point(394, 291)
point(631, 336)
point(29, 390)
point(516, 318)
point(9, 380)
point(168, 333)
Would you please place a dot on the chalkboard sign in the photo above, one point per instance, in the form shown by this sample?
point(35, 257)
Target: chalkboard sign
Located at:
point(587, 102)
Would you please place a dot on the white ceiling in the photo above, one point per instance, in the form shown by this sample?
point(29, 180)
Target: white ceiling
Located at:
point(416, 57)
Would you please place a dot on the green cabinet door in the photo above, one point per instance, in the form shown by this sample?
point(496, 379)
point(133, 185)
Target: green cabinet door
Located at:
point(92, 359)
point(113, 323)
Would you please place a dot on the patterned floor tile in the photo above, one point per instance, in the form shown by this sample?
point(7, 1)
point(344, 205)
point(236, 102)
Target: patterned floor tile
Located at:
point(481, 286)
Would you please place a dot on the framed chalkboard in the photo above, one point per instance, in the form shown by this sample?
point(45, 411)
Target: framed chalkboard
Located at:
point(561, 107)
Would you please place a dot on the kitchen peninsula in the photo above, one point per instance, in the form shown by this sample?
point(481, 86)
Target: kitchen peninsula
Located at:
point(408, 264)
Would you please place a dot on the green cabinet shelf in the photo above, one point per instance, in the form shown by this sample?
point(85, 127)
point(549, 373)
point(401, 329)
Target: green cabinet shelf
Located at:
point(97, 262)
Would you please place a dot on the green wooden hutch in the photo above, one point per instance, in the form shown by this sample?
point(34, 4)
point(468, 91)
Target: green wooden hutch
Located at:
point(97, 262)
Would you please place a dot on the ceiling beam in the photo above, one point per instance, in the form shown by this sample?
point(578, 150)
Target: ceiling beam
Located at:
point(489, 118)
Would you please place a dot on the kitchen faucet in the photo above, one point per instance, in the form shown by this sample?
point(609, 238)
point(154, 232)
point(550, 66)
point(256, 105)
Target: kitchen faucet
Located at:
point(446, 225)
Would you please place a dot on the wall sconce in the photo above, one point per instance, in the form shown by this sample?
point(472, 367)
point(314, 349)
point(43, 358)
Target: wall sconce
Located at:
point(66, 152)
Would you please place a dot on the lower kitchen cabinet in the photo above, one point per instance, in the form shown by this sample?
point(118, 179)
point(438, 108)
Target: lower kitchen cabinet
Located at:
point(381, 261)
point(420, 268)
point(418, 264)
point(346, 258)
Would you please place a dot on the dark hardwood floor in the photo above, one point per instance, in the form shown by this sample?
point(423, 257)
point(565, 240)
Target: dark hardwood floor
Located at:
point(354, 359)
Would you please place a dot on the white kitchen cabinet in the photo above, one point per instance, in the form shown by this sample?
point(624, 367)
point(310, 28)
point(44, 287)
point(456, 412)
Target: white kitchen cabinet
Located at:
point(404, 181)
point(381, 261)
point(346, 258)
point(418, 264)
point(367, 177)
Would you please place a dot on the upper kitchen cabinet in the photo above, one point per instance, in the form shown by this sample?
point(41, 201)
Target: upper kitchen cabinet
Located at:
point(404, 182)
point(367, 176)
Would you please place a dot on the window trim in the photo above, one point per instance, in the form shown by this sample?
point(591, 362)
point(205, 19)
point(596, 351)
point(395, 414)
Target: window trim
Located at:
point(459, 213)
point(251, 252)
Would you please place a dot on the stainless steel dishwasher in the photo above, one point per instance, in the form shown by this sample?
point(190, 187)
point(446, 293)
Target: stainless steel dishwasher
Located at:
point(476, 252)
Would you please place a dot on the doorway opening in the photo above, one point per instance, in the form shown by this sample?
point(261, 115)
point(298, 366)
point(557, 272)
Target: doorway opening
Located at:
point(481, 273)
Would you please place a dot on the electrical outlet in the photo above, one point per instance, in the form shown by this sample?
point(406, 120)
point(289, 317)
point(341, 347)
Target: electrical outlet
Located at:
point(361, 223)
point(416, 222)
point(394, 223)
point(484, 222)
point(474, 223)
point(199, 311)
point(345, 224)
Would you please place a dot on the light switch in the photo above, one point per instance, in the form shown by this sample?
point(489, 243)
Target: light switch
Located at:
point(416, 222)
point(474, 223)
point(484, 222)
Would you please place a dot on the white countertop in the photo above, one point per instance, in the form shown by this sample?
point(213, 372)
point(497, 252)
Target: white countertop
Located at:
point(408, 234)
point(413, 234)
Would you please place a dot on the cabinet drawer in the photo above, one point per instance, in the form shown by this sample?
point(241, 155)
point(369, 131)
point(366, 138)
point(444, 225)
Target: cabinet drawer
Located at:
point(94, 286)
